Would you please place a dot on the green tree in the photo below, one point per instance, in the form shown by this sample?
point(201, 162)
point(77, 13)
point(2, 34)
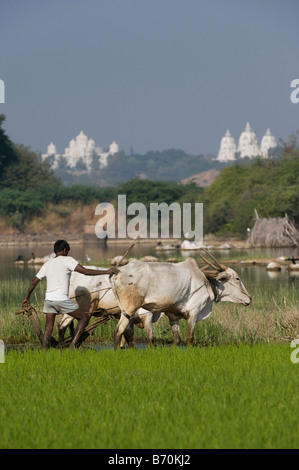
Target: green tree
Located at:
point(20, 167)
point(26, 172)
point(7, 153)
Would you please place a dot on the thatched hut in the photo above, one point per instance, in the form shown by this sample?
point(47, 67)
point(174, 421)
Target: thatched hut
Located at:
point(275, 232)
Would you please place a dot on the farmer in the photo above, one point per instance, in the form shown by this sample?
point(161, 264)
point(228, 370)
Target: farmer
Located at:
point(58, 272)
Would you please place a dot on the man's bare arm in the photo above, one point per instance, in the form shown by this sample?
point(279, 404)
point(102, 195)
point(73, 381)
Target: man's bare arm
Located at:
point(30, 290)
point(95, 272)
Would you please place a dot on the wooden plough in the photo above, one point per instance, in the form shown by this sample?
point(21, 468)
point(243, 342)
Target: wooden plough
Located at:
point(31, 313)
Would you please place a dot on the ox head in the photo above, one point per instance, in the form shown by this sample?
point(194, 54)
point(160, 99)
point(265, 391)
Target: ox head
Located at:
point(226, 282)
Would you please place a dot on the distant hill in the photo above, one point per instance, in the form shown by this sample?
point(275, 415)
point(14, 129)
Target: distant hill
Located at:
point(203, 179)
point(167, 165)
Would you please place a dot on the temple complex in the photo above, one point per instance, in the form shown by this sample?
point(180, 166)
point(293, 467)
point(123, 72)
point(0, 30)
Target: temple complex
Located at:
point(80, 150)
point(247, 145)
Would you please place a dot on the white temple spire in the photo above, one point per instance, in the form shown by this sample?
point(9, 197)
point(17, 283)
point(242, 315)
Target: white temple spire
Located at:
point(248, 145)
point(227, 148)
point(268, 142)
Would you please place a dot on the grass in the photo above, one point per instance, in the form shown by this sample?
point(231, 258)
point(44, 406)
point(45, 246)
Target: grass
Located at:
point(273, 316)
point(162, 398)
point(16, 329)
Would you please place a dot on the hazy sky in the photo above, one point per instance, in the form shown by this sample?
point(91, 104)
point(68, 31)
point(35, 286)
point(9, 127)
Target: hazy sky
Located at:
point(151, 74)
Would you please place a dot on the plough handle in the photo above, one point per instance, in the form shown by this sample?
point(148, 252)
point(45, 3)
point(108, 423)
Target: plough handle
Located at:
point(23, 310)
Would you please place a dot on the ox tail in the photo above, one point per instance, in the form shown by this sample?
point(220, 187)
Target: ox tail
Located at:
point(114, 290)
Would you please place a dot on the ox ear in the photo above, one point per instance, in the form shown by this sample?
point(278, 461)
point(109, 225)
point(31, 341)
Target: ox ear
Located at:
point(223, 276)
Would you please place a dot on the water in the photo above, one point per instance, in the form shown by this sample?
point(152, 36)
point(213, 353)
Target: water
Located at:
point(249, 274)
point(80, 252)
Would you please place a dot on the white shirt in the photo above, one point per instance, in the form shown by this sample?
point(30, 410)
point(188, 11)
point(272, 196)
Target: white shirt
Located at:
point(58, 272)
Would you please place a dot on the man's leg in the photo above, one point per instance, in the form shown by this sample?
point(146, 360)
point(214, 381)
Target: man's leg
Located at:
point(83, 319)
point(46, 339)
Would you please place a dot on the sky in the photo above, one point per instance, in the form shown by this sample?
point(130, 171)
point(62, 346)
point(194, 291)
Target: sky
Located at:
point(149, 74)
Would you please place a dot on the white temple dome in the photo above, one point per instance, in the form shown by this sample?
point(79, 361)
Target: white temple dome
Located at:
point(81, 137)
point(268, 142)
point(51, 150)
point(113, 148)
point(227, 148)
point(248, 145)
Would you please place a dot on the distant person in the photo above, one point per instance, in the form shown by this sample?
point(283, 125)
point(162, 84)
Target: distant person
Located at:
point(58, 272)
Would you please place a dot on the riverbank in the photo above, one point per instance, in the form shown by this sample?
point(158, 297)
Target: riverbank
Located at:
point(27, 239)
point(21, 239)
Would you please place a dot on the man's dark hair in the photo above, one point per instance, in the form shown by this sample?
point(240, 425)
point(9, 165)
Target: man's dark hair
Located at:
point(61, 245)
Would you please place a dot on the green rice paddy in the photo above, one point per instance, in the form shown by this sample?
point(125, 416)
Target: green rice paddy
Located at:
point(161, 398)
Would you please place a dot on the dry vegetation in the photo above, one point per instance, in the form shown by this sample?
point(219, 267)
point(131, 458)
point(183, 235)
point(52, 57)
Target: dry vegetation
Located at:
point(69, 217)
point(236, 325)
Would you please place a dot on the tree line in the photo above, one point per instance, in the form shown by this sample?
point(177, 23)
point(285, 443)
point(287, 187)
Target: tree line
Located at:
point(166, 165)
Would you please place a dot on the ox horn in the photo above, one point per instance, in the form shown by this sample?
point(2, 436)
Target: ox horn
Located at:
point(208, 263)
point(220, 265)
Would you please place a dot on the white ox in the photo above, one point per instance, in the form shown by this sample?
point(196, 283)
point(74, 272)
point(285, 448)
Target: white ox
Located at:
point(180, 290)
point(94, 295)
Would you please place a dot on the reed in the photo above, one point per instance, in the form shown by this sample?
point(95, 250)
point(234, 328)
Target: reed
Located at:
point(13, 329)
